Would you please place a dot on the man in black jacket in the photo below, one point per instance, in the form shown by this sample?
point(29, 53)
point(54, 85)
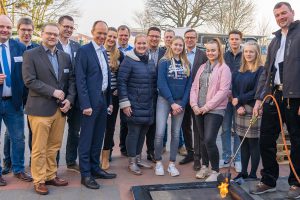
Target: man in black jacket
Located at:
point(280, 78)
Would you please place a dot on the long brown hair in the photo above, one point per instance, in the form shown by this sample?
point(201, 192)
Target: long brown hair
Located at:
point(182, 56)
point(257, 63)
point(114, 62)
point(220, 49)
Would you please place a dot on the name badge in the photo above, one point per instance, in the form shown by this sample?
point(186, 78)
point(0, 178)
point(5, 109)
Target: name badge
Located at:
point(18, 59)
point(66, 70)
point(74, 54)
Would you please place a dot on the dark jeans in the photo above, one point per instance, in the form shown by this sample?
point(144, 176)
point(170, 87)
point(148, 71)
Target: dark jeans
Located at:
point(150, 137)
point(14, 121)
point(270, 130)
point(7, 144)
point(111, 124)
point(208, 126)
point(135, 138)
point(123, 132)
point(73, 135)
point(250, 148)
point(187, 129)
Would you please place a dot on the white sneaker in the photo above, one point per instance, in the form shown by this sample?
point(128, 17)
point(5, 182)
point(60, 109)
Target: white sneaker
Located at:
point(203, 172)
point(173, 171)
point(213, 176)
point(238, 166)
point(159, 169)
point(223, 163)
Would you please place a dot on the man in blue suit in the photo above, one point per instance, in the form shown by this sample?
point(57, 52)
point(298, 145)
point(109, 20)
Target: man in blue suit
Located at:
point(12, 93)
point(93, 87)
point(25, 30)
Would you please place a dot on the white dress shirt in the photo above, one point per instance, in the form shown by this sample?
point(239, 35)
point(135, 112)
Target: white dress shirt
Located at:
point(67, 48)
point(6, 90)
point(279, 58)
point(103, 64)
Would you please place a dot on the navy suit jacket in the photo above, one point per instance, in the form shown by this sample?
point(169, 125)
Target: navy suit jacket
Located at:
point(74, 48)
point(89, 78)
point(18, 89)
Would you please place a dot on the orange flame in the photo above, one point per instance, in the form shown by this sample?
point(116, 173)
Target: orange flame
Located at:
point(224, 188)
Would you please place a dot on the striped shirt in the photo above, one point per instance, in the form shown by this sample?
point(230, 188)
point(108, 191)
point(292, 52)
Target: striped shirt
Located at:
point(113, 80)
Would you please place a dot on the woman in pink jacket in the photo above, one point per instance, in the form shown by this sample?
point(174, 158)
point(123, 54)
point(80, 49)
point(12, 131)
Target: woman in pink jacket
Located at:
point(208, 99)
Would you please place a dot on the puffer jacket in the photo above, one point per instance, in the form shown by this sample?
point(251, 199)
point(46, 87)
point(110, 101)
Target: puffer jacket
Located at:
point(137, 88)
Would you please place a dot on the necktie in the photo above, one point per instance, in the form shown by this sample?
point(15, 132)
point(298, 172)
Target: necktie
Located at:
point(6, 66)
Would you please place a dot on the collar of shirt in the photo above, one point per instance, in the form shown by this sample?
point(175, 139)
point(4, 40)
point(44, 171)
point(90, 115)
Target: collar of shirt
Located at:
point(193, 51)
point(49, 51)
point(124, 49)
point(153, 51)
point(6, 44)
point(63, 43)
point(98, 47)
point(18, 39)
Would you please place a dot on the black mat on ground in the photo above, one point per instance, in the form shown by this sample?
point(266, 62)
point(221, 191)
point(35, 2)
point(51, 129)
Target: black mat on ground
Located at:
point(184, 191)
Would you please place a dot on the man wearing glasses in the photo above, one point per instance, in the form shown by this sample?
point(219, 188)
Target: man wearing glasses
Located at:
point(48, 74)
point(156, 53)
point(25, 30)
point(66, 28)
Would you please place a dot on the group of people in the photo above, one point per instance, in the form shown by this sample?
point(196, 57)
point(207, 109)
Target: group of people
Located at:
point(201, 91)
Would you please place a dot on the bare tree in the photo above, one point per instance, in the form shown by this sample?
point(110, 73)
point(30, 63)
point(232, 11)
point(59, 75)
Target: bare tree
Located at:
point(263, 28)
point(178, 13)
point(144, 19)
point(233, 14)
point(41, 11)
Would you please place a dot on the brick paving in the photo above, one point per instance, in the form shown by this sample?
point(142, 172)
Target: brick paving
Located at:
point(115, 189)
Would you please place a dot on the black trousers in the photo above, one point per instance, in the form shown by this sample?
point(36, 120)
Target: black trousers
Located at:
point(150, 137)
point(250, 149)
point(123, 132)
point(187, 130)
point(270, 130)
point(208, 126)
point(111, 124)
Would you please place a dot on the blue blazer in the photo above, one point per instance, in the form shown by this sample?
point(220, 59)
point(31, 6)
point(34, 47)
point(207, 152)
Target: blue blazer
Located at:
point(89, 78)
point(18, 89)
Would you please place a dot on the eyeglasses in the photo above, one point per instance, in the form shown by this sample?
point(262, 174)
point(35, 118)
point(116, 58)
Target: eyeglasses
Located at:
point(189, 38)
point(68, 27)
point(154, 36)
point(51, 34)
point(24, 30)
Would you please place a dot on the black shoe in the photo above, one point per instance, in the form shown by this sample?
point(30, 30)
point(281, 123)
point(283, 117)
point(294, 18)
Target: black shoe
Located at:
point(6, 168)
point(74, 167)
point(240, 175)
point(197, 165)
point(2, 182)
point(103, 175)
point(150, 157)
point(187, 159)
point(90, 182)
point(124, 153)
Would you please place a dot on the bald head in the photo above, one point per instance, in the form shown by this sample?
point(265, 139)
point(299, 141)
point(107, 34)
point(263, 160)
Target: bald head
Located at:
point(5, 28)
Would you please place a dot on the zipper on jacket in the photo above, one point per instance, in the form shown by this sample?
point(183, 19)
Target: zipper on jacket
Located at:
point(288, 104)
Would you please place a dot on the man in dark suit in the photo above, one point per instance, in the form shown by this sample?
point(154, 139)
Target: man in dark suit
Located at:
point(156, 53)
point(48, 74)
point(93, 87)
point(196, 57)
point(12, 93)
point(66, 28)
point(25, 30)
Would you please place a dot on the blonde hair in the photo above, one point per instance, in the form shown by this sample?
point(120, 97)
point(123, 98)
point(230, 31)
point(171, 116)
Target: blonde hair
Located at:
point(182, 56)
point(257, 63)
point(114, 62)
point(220, 49)
point(139, 36)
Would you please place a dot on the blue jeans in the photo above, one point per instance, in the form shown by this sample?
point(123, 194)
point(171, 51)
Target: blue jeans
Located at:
point(6, 148)
point(181, 140)
point(163, 109)
point(14, 121)
point(228, 121)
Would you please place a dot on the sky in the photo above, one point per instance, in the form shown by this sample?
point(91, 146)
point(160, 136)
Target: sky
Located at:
point(117, 12)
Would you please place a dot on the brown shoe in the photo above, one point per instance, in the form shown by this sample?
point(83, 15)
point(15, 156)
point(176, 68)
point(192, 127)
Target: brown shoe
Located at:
point(2, 182)
point(57, 182)
point(41, 189)
point(23, 176)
